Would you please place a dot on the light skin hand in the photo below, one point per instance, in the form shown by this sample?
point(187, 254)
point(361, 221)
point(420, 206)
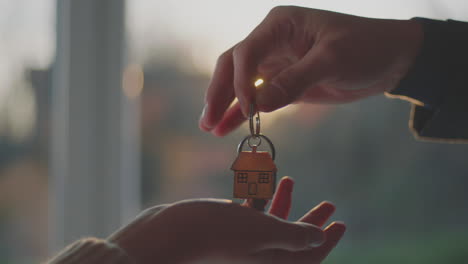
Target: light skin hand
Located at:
point(312, 56)
point(208, 231)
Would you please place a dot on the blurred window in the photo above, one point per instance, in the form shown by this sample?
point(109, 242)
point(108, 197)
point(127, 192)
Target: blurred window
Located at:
point(26, 52)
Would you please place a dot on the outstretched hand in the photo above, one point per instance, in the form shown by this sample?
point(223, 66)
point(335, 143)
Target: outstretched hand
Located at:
point(308, 55)
point(219, 231)
point(317, 216)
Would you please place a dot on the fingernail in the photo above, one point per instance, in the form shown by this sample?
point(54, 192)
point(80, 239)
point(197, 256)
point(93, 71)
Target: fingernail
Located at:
point(245, 109)
point(337, 225)
point(203, 123)
point(327, 206)
point(288, 183)
point(216, 132)
point(203, 127)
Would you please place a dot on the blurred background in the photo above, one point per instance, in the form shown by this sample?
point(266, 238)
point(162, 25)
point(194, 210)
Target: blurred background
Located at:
point(404, 201)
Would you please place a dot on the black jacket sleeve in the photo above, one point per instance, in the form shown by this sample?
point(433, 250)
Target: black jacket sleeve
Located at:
point(438, 83)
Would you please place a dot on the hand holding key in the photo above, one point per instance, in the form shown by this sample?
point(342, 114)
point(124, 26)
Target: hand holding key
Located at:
point(308, 55)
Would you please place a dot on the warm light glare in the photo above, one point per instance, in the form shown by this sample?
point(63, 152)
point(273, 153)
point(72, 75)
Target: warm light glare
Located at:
point(20, 112)
point(133, 80)
point(258, 82)
point(234, 102)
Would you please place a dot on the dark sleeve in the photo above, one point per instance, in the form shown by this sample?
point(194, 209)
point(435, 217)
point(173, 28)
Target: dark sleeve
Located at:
point(437, 84)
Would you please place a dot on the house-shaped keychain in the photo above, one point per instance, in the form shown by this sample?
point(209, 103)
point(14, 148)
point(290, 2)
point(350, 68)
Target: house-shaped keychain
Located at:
point(254, 175)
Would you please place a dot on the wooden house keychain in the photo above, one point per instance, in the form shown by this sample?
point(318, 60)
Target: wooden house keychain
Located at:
point(254, 170)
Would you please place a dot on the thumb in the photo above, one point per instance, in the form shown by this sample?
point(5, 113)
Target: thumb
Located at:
point(293, 236)
point(289, 85)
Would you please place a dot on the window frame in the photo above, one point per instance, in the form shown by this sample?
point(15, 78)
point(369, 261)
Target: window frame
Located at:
point(263, 179)
point(94, 138)
point(242, 177)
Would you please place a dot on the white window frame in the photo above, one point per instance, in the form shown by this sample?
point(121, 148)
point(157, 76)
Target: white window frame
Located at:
point(94, 146)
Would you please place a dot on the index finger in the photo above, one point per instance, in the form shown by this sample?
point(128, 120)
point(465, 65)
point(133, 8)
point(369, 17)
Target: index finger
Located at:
point(319, 215)
point(220, 92)
point(281, 203)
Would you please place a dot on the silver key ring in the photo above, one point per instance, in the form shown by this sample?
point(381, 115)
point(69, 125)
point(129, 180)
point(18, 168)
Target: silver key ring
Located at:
point(258, 142)
point(254, 132)
point(260, 137)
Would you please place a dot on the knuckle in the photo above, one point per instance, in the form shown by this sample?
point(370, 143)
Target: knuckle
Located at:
point(285, 12)
point(241, 51)
point(276, 10)
point(331, 54)
point(281, 10)
point(285, 27)
point(224, 58)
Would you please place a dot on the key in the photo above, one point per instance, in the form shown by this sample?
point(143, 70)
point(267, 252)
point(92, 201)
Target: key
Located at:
point(254, 171)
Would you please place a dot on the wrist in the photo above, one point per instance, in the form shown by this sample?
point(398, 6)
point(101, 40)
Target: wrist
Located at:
point(409, 35)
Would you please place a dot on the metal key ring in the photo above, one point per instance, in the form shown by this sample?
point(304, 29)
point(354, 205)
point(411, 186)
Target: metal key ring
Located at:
point(252, 145)
point(260, 136)
point(254, 132)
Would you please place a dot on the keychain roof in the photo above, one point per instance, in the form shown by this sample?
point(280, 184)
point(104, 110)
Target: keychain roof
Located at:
point(259, 160)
